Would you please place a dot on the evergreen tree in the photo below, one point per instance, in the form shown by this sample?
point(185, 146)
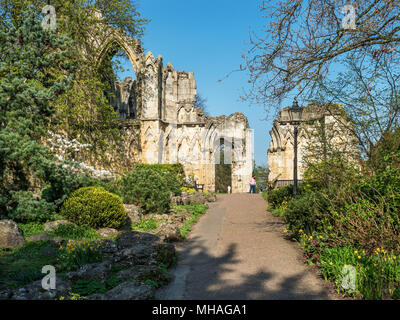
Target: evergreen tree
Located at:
point(34, 69)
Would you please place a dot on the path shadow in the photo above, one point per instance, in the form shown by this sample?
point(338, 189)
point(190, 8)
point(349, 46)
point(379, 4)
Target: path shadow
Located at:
point(207, 278)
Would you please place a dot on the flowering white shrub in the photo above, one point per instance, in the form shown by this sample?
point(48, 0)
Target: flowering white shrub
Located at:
point(64, 148)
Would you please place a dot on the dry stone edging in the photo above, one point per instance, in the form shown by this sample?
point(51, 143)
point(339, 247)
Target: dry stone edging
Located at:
point(94, 271)
point(34, 291)
point(141, 253)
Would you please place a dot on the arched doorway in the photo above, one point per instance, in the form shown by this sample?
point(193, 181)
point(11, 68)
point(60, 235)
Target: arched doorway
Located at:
point(223, 171)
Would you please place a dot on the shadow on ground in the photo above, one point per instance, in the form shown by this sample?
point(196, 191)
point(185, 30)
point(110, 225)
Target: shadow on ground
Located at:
point(201, 276)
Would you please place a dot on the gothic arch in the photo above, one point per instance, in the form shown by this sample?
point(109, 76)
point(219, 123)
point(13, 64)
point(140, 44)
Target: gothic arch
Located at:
point(131, 47)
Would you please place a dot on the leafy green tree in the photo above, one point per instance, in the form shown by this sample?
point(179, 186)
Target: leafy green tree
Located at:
point(261, 173)
point(84, 111)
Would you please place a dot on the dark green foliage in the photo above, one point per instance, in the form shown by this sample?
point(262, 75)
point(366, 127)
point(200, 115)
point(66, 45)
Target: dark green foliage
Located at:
point(147, 189)
point(173, 174)
point(386, 152)
point(35, 68)
point(277, 196)
point(95, 207)
point(113, 282)
point(61, 182)
point(303, 212)
point(173, 183)
point(28, 209)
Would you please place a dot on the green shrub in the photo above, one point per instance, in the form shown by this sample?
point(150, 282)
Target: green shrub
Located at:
point(172, 174)
point(61, 182)
point(172, 182)
point(95, 207)
point(29, 209)
point(277, 196)
point(333, 173)
point(146, 189)
point(362, 223)
point(302, 213)
point(111, 185)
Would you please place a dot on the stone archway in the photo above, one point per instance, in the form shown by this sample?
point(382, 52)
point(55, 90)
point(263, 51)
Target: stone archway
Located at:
point(169, 125)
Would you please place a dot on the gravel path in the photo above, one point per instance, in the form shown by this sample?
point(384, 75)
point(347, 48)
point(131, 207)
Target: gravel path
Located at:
point(239, 251)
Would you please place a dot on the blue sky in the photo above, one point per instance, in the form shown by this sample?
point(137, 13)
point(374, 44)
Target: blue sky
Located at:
point(208, 38)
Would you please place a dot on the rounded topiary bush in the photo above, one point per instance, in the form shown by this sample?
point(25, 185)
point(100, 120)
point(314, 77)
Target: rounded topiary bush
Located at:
point(146, 189)
point(95, 207)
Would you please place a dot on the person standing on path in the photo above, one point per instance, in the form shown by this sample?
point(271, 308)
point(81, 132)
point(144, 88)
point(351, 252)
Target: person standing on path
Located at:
point(253, 185)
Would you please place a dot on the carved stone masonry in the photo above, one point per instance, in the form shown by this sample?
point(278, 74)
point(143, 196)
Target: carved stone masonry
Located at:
point(171, 128)
point(338, 136)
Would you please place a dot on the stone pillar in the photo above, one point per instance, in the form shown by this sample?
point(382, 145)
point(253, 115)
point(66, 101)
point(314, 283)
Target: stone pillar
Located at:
point(151, 88)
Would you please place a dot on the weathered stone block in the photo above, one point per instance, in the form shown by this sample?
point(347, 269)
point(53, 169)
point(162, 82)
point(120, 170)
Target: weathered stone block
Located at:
point(11, 236)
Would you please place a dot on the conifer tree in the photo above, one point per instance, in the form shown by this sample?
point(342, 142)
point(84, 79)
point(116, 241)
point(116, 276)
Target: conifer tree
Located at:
point(34, 69)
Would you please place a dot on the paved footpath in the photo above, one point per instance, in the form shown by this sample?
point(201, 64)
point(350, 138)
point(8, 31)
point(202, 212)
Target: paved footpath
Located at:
point(239, 251)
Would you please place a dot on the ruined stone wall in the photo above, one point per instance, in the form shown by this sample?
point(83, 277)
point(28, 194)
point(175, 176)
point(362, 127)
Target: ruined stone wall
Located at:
point(171, 129)
point(338, 137)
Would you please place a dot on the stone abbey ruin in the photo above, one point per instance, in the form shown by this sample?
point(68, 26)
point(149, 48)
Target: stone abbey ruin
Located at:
point(334, 132)
point(162, 124)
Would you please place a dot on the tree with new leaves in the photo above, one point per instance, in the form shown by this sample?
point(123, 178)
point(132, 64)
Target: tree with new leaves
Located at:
point(35, 67)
